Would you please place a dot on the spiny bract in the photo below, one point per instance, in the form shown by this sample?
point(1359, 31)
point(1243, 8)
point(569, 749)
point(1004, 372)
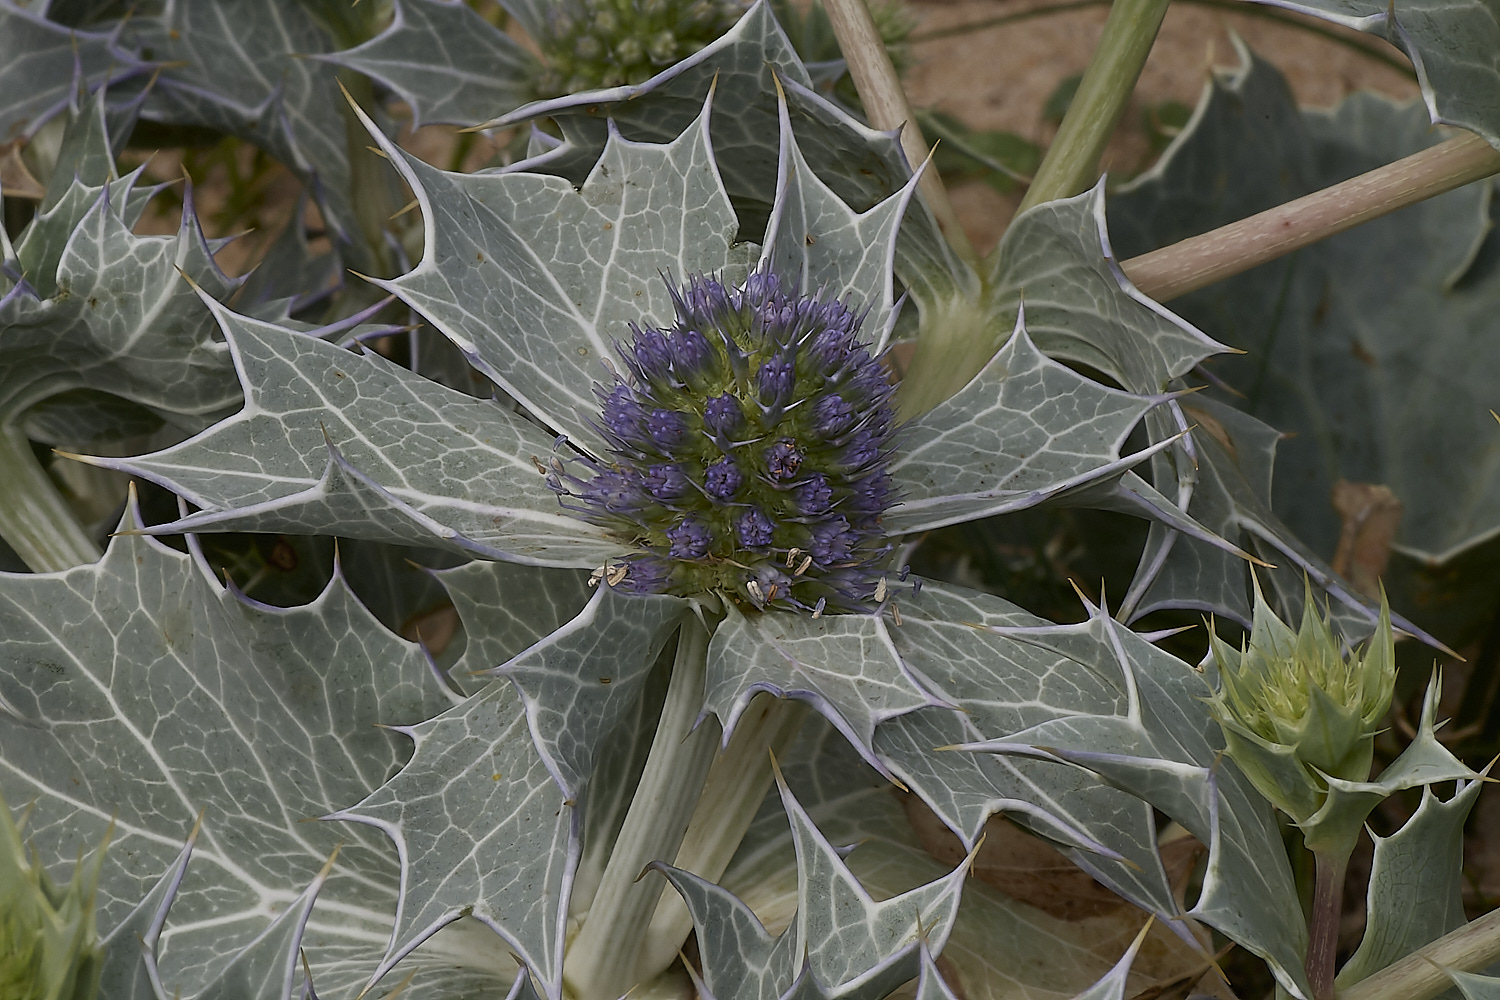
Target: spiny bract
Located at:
point(749, 446)
point(606, 43)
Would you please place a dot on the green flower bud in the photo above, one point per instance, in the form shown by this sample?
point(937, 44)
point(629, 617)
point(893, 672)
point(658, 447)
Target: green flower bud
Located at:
point(1297, 709)
point(588, 47)
point(602, 43)
point(663, 48)
point(49, 949)
point(629, 51)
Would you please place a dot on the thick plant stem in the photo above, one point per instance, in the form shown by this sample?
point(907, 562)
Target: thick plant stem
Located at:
point(34, 518)
point(1224, 252)
point(602, 961)
point(1327, 908)
point(1072, 161)
point(1420, 976)
point(737, 785)
point(885, 103)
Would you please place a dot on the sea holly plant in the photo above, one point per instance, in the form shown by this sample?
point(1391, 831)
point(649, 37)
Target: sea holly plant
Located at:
point(699, 704)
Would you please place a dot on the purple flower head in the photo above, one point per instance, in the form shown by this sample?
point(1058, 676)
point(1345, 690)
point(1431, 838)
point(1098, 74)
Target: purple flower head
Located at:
point(666, 481)
point(783, 460)
point(723, 479)
point(754, 529)
point(832, 541)
point(722, 414)
point(691, 355)
point(814, 496)
point(651, 353)
point(831, 416)
point(747, 456)
point(777, 376)
point(622, 414)
point(667, 428)
point(690, 539)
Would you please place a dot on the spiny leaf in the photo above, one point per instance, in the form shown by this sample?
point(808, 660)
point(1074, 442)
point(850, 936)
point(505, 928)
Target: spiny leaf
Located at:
point(1451, 46)
point(842, 942)
point(507, 608)
point(238, 68)
point(1057, 261)
point(535, 281)
point(827, 248)
point(845, 666)
point(43, 65)
point(355, 445)
point(743, 68)
point(1163, 747)
point(578, 682)
point(1415, 894)
point(1026, 429)
point(1003, 685)
point(991, 948)
point(142, 690)
point(486, 814)
point(482, 829)
point(1331, 358)
point(450, 65)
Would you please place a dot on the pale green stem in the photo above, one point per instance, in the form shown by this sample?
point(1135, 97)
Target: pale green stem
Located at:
point(1420, 976)
point(1072, 161)
point(885, 104)
point(601, 963)
point(736, 787)
point(34, 518)
point(1224, 252)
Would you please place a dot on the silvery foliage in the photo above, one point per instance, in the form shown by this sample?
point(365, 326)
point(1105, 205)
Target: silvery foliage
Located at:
point(461, 808)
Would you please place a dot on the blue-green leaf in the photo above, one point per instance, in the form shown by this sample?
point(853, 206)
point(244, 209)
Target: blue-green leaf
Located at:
point(139, 689)
point(535, 281)
point(1415, 893)
point(1163, 747)
point(450, 65)
point(44, 64)
point(845, 666)
point(342, 443)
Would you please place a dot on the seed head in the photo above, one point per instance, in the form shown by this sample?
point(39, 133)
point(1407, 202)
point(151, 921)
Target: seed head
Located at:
point(748, 449)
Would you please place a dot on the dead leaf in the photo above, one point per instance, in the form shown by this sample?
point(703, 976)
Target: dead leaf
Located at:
point(1371, 514)
point(15, 180)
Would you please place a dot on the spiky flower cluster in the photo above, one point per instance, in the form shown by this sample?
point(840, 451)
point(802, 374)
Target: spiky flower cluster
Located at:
point(605, 43)
point(1297, 706)
point(48, 946)
point(749, 449)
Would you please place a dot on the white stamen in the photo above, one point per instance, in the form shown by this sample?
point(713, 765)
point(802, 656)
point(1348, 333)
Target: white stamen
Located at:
point(806, 563)
point(881, 589)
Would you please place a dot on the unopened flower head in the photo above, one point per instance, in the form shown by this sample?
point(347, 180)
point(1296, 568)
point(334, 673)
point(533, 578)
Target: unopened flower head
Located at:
point(48, 946)
point(1305, 701)
point(749, 447)
point(606, 43)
